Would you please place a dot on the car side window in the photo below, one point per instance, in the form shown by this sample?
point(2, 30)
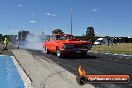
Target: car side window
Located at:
point(57, 37)
point(69, 37)
point(48, 38)
point(51, 38)
point(54, 38)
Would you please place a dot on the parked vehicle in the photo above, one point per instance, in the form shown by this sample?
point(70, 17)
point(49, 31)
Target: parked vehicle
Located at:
point(65, 44)
point(102, 41)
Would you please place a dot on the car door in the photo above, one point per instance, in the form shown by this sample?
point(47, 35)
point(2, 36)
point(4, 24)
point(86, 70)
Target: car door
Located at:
point(48, 43)
point(52, 43)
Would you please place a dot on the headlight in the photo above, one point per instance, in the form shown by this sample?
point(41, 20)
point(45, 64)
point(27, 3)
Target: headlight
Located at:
point(68, 46)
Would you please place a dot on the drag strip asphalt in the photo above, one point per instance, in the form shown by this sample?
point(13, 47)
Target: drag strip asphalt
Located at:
point(94, 63)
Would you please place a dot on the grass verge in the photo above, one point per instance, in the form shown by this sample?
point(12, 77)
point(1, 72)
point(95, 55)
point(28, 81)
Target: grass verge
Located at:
point(123, 48)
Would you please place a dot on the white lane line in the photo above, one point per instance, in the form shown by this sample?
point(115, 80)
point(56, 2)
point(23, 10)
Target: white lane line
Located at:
point(3, 55)
point(116, 60)
point(125, 55)
point(95, 52)
point(127, 58)
point(24, 77)
point(108, 53)
point(116, 54)
point(120, 57)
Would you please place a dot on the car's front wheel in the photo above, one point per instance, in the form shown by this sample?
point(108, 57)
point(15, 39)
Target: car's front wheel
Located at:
point(58, 52)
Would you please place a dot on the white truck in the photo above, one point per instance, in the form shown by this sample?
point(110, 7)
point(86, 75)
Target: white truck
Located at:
point(102, 41)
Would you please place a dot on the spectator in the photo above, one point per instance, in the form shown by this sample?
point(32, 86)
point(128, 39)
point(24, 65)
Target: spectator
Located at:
point(6, 43)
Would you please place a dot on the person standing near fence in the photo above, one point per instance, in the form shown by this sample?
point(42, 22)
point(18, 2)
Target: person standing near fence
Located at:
point(6, 43)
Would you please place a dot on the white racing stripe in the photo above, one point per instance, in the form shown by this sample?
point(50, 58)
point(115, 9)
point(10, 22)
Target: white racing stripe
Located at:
point(24, 77)
point(108, 53)
point(117, 54)
point(116, 60)
point(3, 55)
point(127, 58)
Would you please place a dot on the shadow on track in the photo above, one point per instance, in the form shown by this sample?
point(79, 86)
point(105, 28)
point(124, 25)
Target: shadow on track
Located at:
point(79, 57)
point(39, 52)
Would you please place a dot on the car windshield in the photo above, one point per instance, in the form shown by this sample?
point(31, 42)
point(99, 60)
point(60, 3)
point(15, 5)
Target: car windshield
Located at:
point(64, 37)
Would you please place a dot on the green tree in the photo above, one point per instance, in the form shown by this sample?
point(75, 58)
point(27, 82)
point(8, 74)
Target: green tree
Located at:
point(57, 31)
point(90, 32)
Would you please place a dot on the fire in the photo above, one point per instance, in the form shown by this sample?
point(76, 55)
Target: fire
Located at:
point(81, 71)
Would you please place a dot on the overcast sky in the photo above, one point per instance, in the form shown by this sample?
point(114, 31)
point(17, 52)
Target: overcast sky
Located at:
point(108, 17)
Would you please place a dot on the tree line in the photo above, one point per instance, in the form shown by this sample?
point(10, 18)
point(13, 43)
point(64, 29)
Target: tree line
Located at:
point(89, 33)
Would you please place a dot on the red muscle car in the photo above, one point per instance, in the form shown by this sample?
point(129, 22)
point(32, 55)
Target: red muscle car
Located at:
point(66, 44)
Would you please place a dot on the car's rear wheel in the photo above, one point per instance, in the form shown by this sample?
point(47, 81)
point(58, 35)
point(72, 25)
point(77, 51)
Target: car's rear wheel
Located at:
point(45, 50)
point(58, 52)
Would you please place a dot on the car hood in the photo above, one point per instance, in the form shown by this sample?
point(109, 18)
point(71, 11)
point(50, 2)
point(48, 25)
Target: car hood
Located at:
point(72, 41)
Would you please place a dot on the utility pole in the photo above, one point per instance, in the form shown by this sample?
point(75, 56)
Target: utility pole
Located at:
point(21, 34)
point(71, 21)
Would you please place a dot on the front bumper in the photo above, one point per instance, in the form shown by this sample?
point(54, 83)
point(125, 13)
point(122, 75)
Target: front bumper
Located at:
point(73, 51)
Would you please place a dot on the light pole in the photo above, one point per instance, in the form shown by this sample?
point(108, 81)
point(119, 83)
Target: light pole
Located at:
point(71, 21)
point(21, 34)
